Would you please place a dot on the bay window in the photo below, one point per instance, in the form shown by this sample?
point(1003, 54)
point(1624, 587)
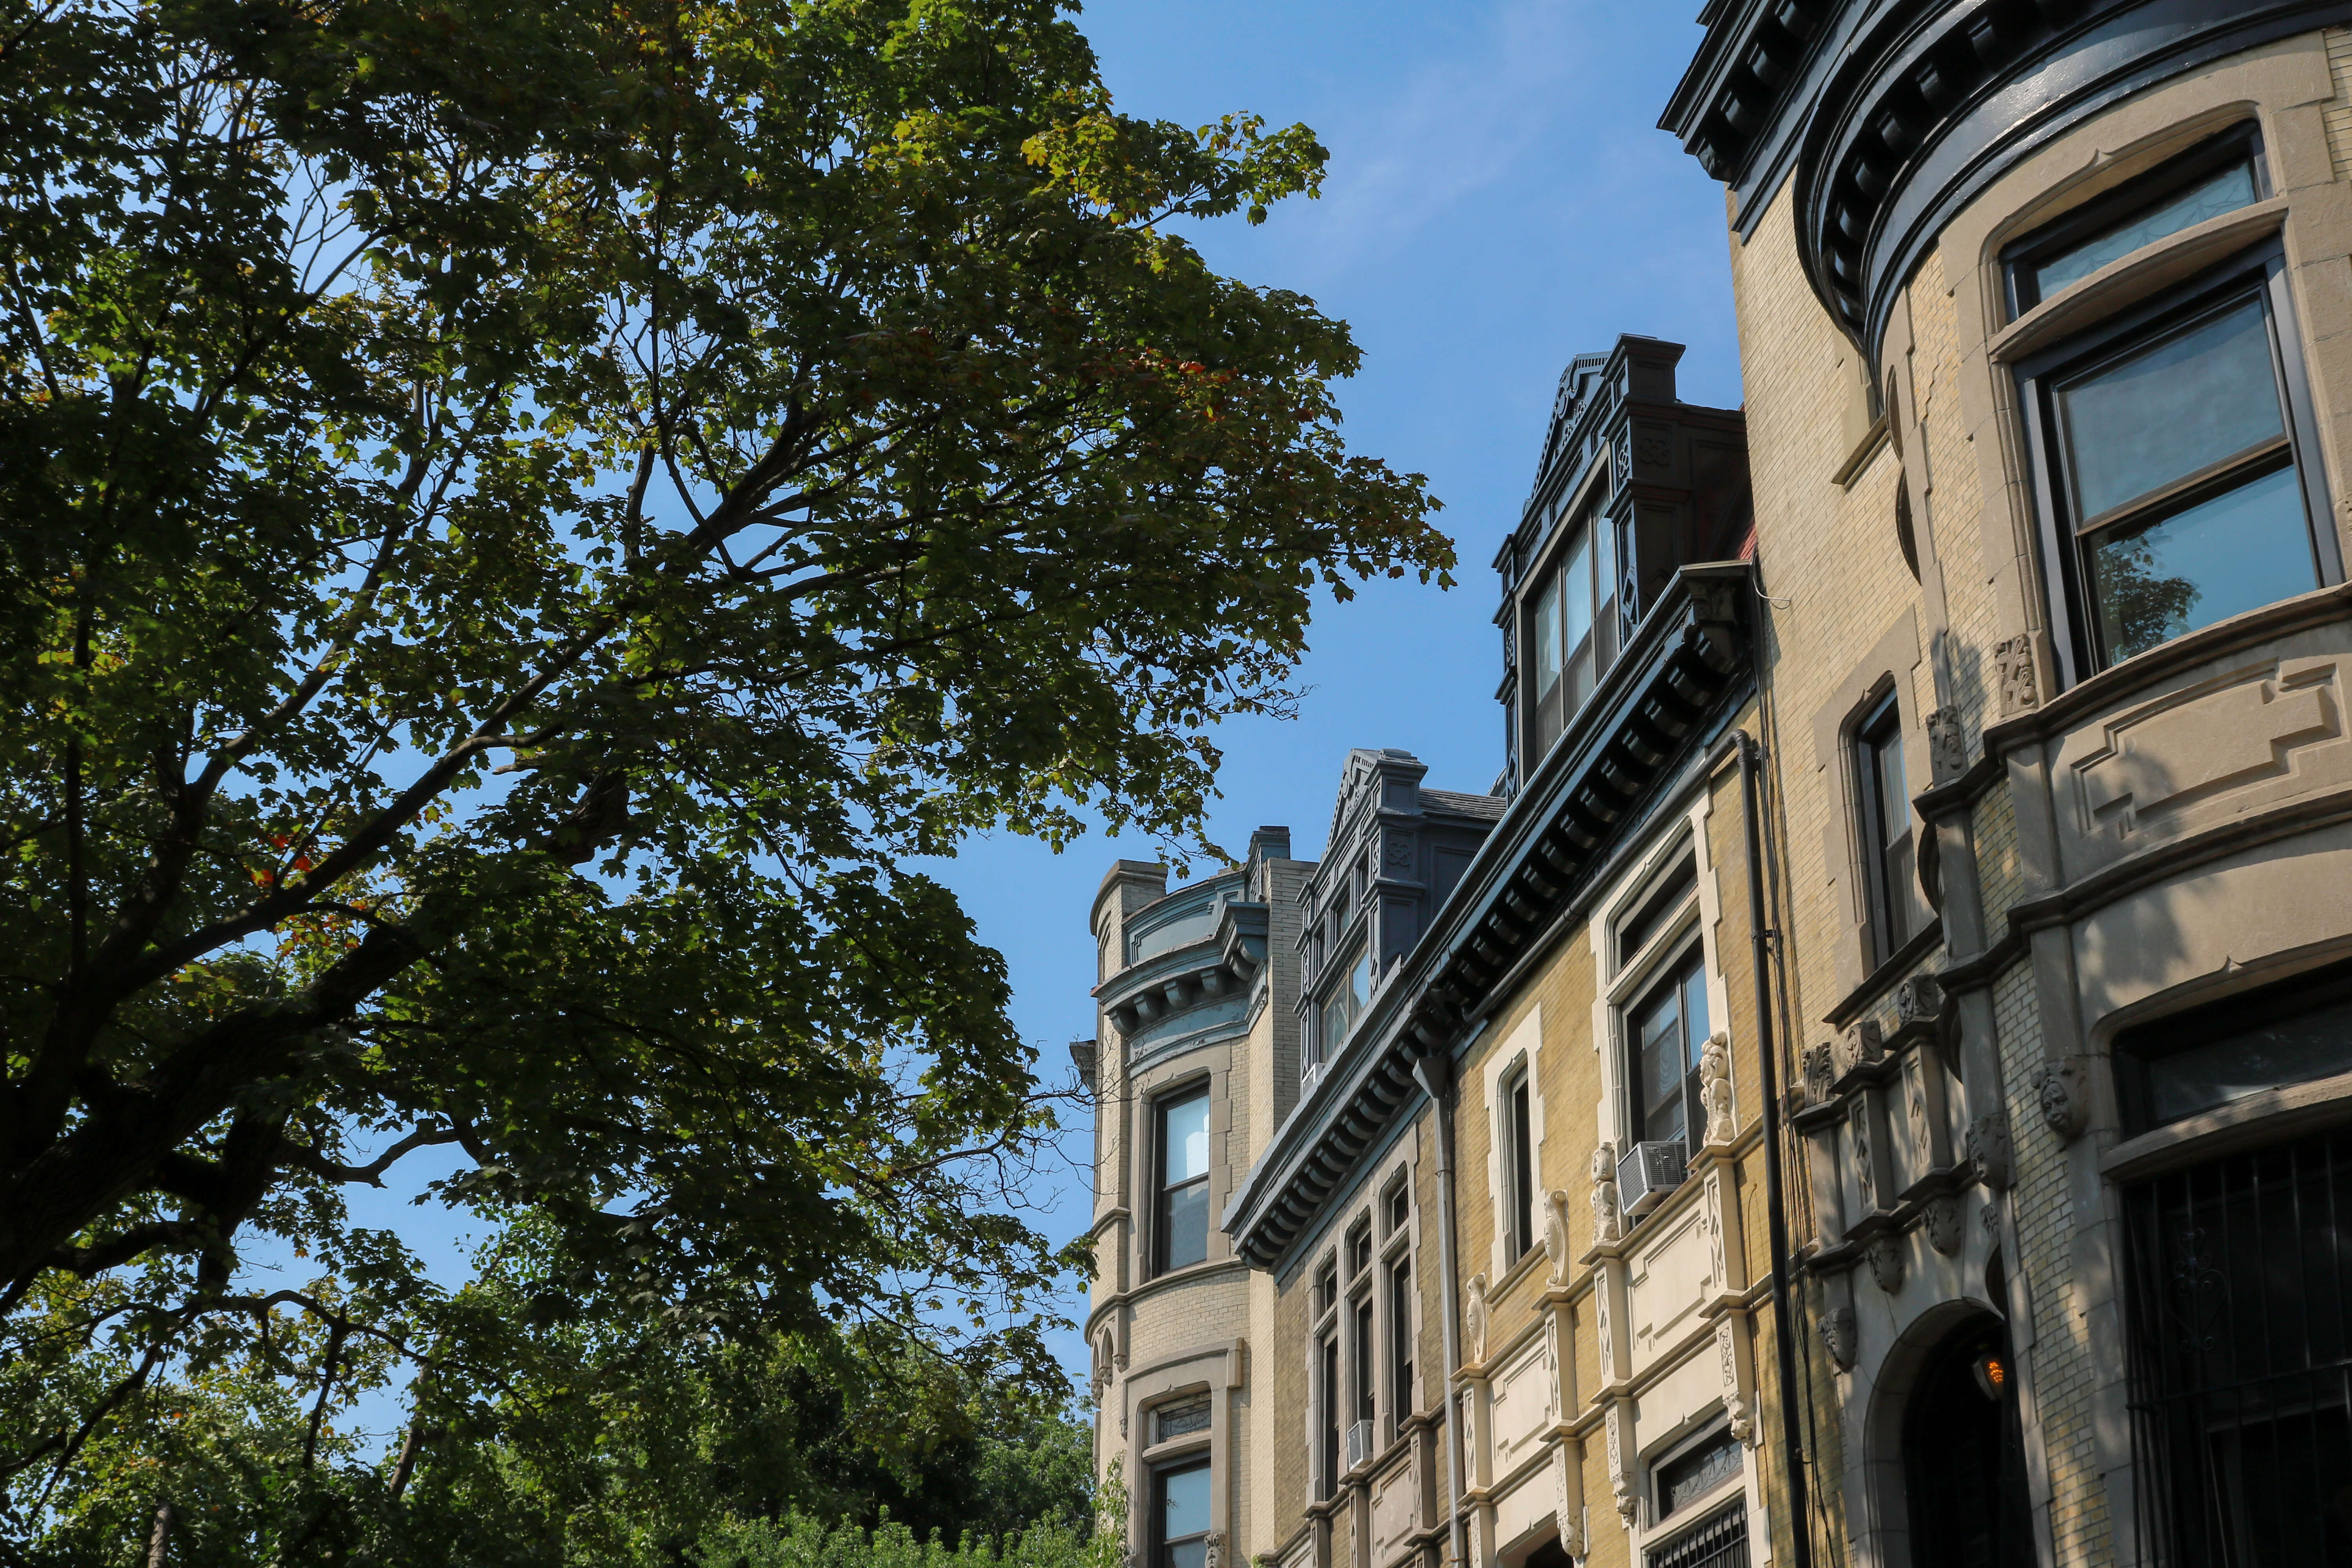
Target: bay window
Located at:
point(2175, 464)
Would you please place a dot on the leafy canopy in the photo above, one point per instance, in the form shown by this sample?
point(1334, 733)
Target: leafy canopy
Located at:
point(515, 519)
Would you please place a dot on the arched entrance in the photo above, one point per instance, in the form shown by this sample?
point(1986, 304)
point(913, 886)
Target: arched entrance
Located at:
point(1964, 1455)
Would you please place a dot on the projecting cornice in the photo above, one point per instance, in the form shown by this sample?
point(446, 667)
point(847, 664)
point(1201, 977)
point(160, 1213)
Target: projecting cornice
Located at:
point(1689, 655)
point(1892, 114)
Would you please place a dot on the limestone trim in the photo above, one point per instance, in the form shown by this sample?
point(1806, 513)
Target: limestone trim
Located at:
point(2121, 284)
point(2269, 1116)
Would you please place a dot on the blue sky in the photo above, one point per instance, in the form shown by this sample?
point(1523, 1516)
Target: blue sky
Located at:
point(1497, 199)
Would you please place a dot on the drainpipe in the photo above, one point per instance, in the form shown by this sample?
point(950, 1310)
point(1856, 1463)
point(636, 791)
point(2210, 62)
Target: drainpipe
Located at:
point(1751, 756)
point(1434, 1074)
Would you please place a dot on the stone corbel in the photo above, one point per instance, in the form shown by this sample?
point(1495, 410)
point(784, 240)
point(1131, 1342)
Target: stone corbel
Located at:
point(1989, 1150)
point(2063, 1089)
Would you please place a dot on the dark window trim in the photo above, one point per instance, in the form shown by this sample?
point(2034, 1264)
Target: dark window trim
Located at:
point(1587, 508)
point(1174, 1094)
point(1160, 1540)
point(2242, 142)
point(1877, 727)
point(1519, 1175)
point(2261, 269)
point(1678, 958)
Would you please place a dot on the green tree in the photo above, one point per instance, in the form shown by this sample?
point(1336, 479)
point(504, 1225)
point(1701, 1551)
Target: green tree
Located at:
point(515, 521)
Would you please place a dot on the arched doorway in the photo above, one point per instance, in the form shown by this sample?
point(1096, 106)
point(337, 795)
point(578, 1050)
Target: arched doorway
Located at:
point(1964, 1455)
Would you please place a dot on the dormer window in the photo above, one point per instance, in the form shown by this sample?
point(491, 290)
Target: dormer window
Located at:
point(1347, 999)
point(1570, 623)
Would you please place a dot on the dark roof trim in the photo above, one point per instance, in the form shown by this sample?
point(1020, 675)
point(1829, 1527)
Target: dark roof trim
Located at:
point(1686, 657)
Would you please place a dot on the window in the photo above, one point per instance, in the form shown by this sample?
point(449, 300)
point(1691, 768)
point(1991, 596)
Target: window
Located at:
point(1399, 1207)
point(1668, 1029)
point(1400, 1389)
point(1718, 1541)
point(1883, 821)
point(1360, 1251)
point(1182, 1221)
point(2177, 482)
point(1570, 628)
point(1519, 1172)
point(2219, 177)
point(1663, 903)
point(1365, 1370)
point(2205, 1057)
point(1179, 1417)
point(1345, 1002)
point(1327, 1288)
point(1692, 1474)
point(1179, 1515)
point(1327, 1399)
point(2239, 1302)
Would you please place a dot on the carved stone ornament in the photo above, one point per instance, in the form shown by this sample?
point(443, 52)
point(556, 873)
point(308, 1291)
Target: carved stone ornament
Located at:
point(1715, 1089)
point(1555, 1238)
point(1860, 1045)
point(1885, 1257)
point(1608, 1222)
point(1988, 1148)
point(1572, 1538)
point(1215, 1556)
point(1821, 1073)
point(2063, 1088)
point(1990, 1215)
point(1947, 748)
point(2019, 688)
point(1919, 1000)
point(1865, 1172)
point(1473, 1318)
point(1944, 1225)
point(1838, 1336)
point(1743, 1426)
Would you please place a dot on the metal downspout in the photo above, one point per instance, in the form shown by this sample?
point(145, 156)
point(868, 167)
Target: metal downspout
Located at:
point(1775, 1202)
point(1434, 1074)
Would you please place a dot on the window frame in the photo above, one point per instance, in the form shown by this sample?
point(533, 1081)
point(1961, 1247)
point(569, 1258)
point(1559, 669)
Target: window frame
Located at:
point(2022, 257)
point(2256, 273)
point(1888, 906)
point(1681, 964)
point(1162, 1226)
point(1515, 1109)
point(1584, 518)
point(1162, 1543)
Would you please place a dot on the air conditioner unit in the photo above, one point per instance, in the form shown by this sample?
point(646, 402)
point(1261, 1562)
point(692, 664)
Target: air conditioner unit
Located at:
point(1647, 1173)
point(1308, 1078)
point(1359, 1443)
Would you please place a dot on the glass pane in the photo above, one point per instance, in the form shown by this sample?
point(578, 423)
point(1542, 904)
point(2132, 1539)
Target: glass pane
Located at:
point(2226, 192)
point(1694, 1010)
point(1660, 1036)
point(2235, 553)
point(2174, 408)
point(1184, 1138)
point(1185, 1225)
point(1547, 634)
point(1894, 826)
point(1183, 1502)
point(1359, 983)
point(1576, 605)
point(1180, 1418)
point(2295, 1050)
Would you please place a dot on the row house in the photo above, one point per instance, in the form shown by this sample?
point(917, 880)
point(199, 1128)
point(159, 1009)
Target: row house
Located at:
point(1871, 1083)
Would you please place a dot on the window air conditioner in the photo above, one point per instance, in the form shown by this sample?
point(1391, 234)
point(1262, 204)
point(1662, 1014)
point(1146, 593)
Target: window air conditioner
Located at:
point(1359, 1443)
point(1647, 1173)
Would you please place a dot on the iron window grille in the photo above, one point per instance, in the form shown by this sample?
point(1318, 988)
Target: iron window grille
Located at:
point(1718, 1541)
point(2238, 1295)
